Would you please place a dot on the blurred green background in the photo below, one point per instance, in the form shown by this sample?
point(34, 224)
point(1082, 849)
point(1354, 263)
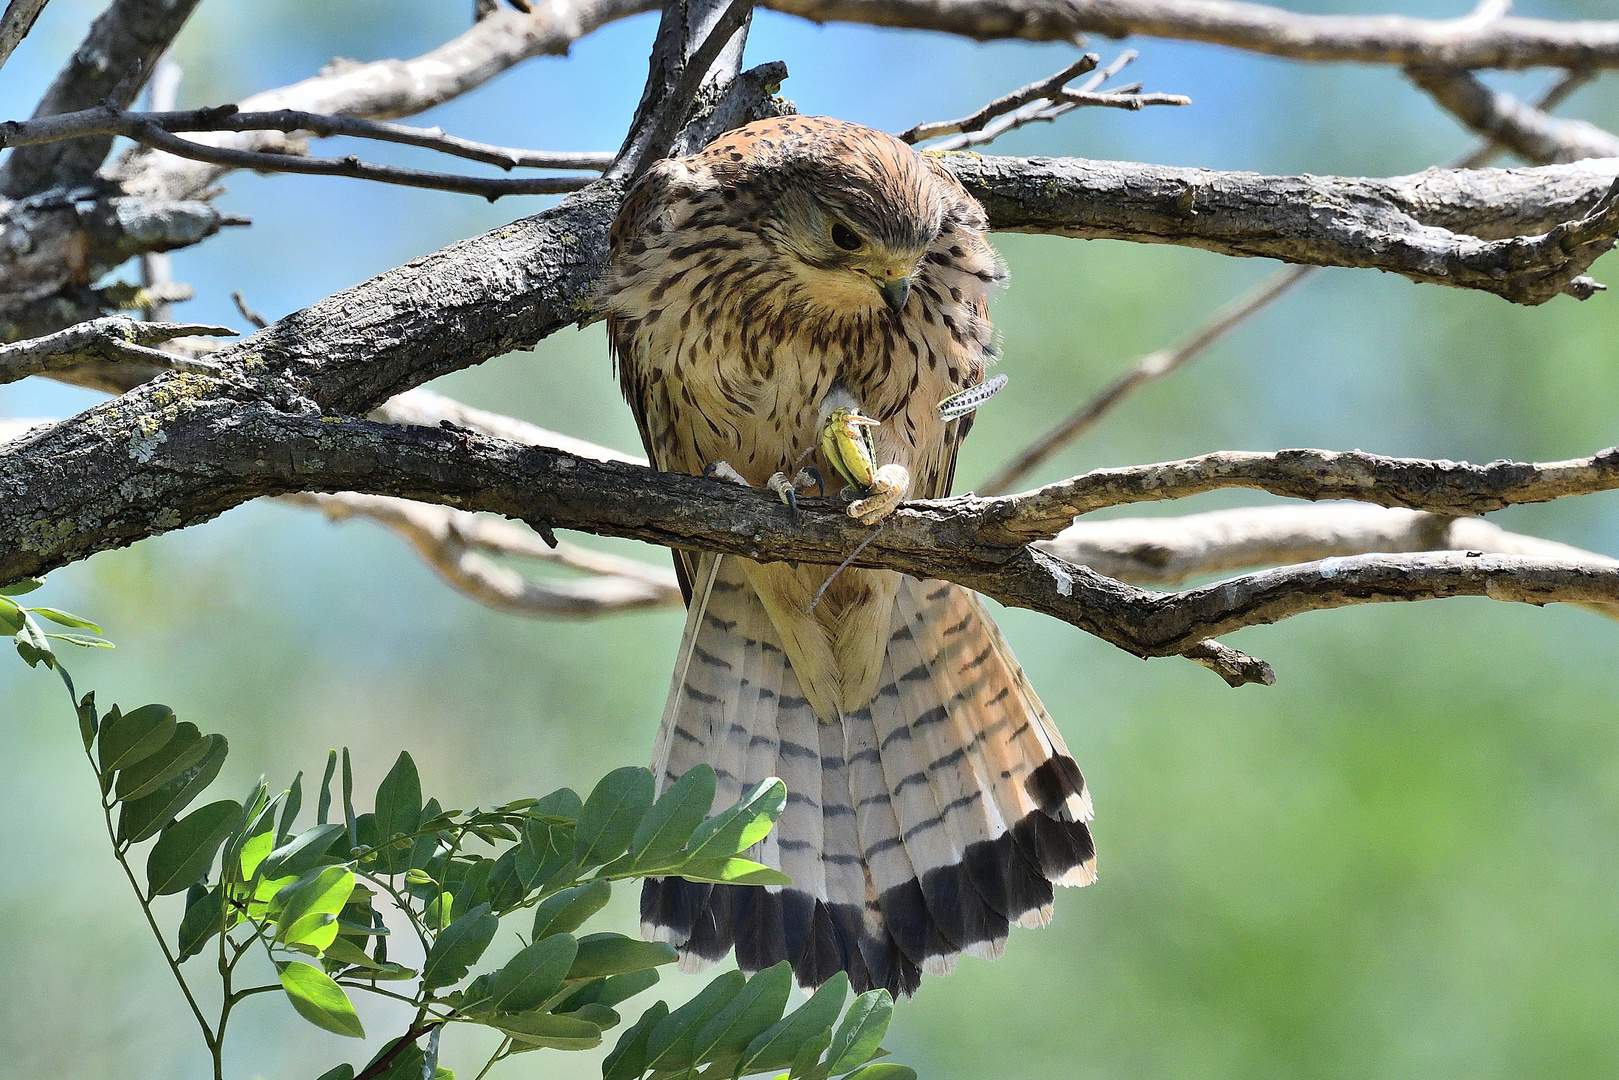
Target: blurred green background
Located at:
point(1402, 860)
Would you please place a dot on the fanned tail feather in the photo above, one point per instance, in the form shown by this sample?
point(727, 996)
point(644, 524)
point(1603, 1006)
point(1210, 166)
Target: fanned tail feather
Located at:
point(918, 826)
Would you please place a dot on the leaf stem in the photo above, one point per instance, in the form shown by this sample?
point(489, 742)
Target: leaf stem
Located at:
point(500, 1052)
point(214, 1044)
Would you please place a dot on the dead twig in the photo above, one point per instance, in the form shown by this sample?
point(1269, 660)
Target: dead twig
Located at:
point(106, 119)
point(1043, 102)
point(112, 339)
point(450, 541)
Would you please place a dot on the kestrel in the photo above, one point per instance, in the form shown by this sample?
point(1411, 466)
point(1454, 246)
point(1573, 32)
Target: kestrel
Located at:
point(798, 273)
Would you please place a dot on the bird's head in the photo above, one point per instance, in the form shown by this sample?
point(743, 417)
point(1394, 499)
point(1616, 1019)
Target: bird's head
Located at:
point(848, 210)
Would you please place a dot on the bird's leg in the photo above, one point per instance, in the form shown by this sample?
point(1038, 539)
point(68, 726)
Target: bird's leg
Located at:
point(788, 490)
point(807, 476)
point(723, 470)
point(888, 487)
point(846, 442)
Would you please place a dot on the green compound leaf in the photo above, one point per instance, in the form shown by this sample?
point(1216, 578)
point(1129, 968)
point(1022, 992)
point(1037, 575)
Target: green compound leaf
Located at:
point(186, 849)
point(530, 978)
point(732, 871)
point(610, 816)
point(777, 1047)
point(302, 852)
point(534, 1030)
point(458, 948)
point(628, 1061)
point(670, 823)
point(399, 810)
point(204, 917)
point(566, 911)
point(11, 620)
point(743, 825)
point(183, 749)
point(142, 818)
point(308, 915)
point(320, 1000)
point(670, 1046)
point(861, 1034)
point(886, 1070)
point(610, 954)
point(752, 1011)
point(62, 618)
point(128, 737)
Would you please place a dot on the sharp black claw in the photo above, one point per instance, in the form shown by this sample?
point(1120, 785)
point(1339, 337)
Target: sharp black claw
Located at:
point(710, 469)
point(820, 482)
point(791, 499)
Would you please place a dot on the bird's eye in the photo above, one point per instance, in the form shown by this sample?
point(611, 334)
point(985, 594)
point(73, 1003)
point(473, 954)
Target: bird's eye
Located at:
point(845, 237)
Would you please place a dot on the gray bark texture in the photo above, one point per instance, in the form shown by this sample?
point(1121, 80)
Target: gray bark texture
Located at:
point(1490, 42)
point(1523, 234)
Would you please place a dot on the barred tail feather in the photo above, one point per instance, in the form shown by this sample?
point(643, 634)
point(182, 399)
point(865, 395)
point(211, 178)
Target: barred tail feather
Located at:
point(918, 827)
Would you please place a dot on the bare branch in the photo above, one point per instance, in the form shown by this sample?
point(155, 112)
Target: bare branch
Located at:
point(1042, 101)
point(1470, 42)
point(1509, 122)
point(425, 408)
point(449, 541)
point(1405, 225)
point(149, 134)
point(1236, 668)
point(109, 120)
point(113, 339)
point(385, 89)
point(257, 321)
point(117, 56)
point(1044, 90)
point(1446, 487)
point(19, 18)
point(1170, 550)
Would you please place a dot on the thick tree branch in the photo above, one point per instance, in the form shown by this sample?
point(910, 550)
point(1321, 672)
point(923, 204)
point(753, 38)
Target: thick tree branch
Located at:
point(1418, 226)
point(113, 63)
point(104, 488)
point(1471, 42)
point(1523, 129)
point(113, 340)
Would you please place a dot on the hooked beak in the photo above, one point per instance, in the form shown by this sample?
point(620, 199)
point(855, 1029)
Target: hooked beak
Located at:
point(895, 293)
